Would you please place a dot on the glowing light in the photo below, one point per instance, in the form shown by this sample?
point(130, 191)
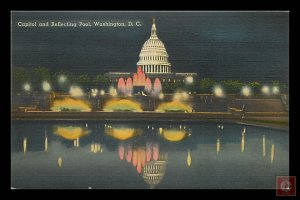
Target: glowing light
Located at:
point(275, 90)
point(264, 146)
point(218, 145)
point(272, 152)
point(102, 92)
point(243, 142)
point(189, 158)
point(27, 87)
point(70, 104)
point(71, 133)
point(76, 91)
point(218, 91)
point(46, 86)
point(174, 135)
point(94, 92)
point(122, 105)
point(180, 96)
point(161, 96)
point(122, 133)
point(189, 80)
point(25, 145)
point(62, 78)
point(113, 91)
point(174, 106)
point(265, 90)
point(59, 161)
point(246, 91)
point(46, 143)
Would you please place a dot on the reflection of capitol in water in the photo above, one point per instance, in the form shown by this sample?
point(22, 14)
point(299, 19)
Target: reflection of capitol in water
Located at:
point(145, 148)
point(154, 170)
point(148, 160)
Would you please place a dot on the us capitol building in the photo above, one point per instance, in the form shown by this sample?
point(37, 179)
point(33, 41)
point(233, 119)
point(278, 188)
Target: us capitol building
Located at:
point(154, 61)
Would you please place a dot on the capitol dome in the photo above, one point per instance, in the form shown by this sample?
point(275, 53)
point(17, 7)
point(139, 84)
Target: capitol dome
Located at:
point(154, 56)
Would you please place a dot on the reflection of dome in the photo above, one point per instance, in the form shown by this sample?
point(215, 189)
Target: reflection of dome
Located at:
point(154, 171)
point(153, 56)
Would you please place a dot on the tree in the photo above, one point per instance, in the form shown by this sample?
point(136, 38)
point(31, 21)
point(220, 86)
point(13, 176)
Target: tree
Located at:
point(255, 86)
point(101, 81)
point(19, 77)
point(40, 74)
point(84, 81)
point(206, 85)
point(232, 86)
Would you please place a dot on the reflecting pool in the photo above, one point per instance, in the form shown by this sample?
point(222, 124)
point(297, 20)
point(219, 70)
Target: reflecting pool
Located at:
point(141, 155)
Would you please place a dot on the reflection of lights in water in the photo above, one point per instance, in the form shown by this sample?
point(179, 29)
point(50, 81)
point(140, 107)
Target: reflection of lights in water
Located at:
point(265, 90)
point(218, 145)
point(246, 91)
point(264, 146)
point(218, 91)
point(26, 87)
point(25, 145)
point(76, 91)
point(70, 104)
point(46, 143)
point(174, 106)
point(95, 148)
point(272, 152)
point(62, 78)
point(122, 133)
point(243, 142)
point(189, 158)
point(71, 133)
point(77, 142)
point(173, 135)
point(189, 80)
point(275, 90)
point(122, 105)
point(244, 130)
point(59, 161)
point(46, 86)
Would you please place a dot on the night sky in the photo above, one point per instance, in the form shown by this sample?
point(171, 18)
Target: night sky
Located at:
point(221, 45)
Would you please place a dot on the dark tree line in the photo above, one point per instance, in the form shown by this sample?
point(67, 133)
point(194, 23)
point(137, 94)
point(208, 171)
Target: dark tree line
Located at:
point(36, 76)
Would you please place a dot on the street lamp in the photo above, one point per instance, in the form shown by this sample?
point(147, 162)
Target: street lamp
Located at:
point(265, 90)
point(46, 87)
point(27, 87)
point(62, 78)
point(246, 91)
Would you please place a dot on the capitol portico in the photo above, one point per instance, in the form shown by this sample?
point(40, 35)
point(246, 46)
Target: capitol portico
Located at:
point(154, 61)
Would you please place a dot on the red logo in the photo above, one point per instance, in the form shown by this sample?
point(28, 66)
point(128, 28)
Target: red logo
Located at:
point(286, 185)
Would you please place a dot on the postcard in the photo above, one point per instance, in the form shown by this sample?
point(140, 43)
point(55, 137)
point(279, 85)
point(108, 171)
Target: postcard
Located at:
point(150, 100)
